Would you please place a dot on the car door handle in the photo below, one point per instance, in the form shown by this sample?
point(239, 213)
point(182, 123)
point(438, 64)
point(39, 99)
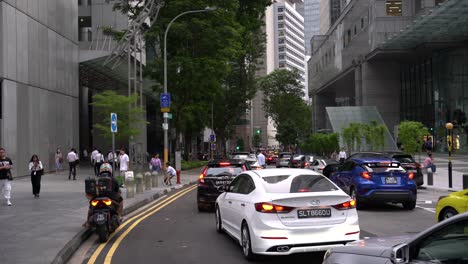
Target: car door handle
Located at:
point(242, 204)
point(229, 202)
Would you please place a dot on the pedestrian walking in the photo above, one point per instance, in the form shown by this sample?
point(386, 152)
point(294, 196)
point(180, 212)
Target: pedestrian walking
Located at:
point(342, 155)
point(124, 162)
point(334, 155)
point(85, 154)
point(58, 161)
point(5, 176)
point(36, 169)
point(98, 160)
point(429, 163)
point(72, 159)
point(111, 159)
point(261, 159)
point(155, 164)
point(93, 161)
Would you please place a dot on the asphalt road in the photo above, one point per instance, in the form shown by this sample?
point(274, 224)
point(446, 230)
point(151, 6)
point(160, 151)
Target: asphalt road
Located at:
point(178, 233)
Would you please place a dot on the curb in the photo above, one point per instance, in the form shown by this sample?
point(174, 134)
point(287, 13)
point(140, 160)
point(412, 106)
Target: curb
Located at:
point(70, 248)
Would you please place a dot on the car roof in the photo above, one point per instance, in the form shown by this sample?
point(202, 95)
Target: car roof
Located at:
point(282, 171)
point(373, 160)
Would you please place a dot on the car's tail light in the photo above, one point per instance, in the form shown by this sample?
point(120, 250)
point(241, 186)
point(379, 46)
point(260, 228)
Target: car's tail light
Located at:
point(107, 202)
point(224, 164)
point(418, 165)
point(201, 177)
point(94, 202)
point(366, 175)
point(410, 175)
point(307, 164)
point(272, 208)
point(346, 205)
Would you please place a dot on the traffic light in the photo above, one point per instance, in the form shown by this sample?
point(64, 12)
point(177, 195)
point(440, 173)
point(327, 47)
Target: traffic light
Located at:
point(237, 147)
point(258, 131)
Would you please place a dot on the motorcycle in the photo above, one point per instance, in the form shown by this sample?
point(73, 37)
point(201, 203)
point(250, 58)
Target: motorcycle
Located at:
point(104, 217)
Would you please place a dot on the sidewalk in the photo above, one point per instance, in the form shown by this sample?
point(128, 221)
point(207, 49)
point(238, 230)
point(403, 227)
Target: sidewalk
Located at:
point(459, 167)
point(48, 229)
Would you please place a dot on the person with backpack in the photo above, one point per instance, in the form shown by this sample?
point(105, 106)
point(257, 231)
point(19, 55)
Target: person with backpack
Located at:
point(98, 160)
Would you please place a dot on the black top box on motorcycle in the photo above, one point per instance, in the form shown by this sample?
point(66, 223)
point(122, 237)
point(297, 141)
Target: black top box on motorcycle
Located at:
point(90, 186)
point(104, 183)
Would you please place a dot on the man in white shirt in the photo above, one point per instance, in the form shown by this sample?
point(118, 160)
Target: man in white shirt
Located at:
point(93, 159)
point(261, 159)
point(124, 161)
point(342, 155)
point(72, 157)
point(170, 172)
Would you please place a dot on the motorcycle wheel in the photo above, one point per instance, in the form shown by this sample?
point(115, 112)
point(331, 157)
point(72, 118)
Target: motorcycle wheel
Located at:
point(102, 233)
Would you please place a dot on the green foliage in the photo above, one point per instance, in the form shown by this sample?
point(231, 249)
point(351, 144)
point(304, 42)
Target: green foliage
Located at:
point(283, 102)
point(110, 102)
point(320, 143)
point(373, 135)
point(240, 145)
point(410, 135)
point(187, 165)
point(256, 140)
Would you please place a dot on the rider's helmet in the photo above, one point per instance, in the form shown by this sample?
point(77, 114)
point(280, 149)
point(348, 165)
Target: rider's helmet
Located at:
point(105, 169)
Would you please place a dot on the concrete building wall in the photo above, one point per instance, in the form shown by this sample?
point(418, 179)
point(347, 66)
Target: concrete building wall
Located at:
point(39, 68)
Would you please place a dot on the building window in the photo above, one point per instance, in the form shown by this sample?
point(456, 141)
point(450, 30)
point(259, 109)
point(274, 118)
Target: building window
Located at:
point(280, 25)
point(281, 41)
point(282, 64)
point(281, 57)
point(80, 2)
point(394, 7)
point(280, 9)
point(89, 2)
point(281, 17)
point(355, 30)
point(362, 22)
point(349, 35)
point(281, 49)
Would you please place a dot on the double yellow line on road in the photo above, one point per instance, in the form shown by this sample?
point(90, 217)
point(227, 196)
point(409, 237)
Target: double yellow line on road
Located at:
point(141, 216)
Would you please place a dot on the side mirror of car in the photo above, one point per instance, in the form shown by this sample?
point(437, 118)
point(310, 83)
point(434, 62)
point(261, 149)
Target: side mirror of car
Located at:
point(400, 254)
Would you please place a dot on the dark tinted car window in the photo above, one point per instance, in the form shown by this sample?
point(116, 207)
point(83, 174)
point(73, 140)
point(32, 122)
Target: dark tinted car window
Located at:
point(348, 166)
point(404, 158)
point(223, 170)
point(297, 183)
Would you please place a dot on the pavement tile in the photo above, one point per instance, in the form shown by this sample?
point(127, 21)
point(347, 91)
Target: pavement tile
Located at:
point(38, 228)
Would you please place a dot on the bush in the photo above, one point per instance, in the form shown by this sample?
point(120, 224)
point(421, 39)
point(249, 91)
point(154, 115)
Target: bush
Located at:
point(187, 165)
point(322, 144)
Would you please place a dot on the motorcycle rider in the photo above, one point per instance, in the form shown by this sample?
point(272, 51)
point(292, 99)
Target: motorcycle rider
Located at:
point(114, 194)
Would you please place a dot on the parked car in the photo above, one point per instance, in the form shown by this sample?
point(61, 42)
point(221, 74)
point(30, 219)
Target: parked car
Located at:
point(320, 164)
point(443, 243)
point(271, 159)
point(215, 175)
point(297, 161)
point(239, 155)
point(283, 159)
point(286, 211)
point(253, 163)
point(376, 180)
point(451, 205)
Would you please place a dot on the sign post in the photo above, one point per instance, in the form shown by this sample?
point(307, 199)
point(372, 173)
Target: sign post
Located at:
point(113, 130)
point(165, 102)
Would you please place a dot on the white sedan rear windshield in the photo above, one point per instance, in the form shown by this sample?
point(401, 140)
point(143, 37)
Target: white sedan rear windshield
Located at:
point(297, 183)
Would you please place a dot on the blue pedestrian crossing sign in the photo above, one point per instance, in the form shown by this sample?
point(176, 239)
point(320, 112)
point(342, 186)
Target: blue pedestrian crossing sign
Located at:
point(165, 100)
point(113, 123)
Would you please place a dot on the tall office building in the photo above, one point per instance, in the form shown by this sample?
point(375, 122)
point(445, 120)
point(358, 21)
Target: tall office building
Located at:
point(284, 27)
point(311, 21)
point(38, 80)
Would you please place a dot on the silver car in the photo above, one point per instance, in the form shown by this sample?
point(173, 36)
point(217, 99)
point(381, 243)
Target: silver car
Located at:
point(283, 159)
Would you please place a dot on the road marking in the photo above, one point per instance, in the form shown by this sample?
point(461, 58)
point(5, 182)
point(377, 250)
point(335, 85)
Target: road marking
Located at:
point(117, 242)
point(98, 251)
point(432, 210)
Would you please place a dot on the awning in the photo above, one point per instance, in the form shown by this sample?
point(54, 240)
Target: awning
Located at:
point(444, 24)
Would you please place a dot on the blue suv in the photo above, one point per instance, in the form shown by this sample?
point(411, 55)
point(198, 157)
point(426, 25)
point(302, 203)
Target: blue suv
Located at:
point(378, 180)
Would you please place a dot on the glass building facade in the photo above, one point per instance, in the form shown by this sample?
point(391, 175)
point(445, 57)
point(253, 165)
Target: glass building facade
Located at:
point(434, 91)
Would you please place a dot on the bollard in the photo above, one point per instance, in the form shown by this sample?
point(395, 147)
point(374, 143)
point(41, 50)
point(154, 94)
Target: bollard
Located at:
point(154, 179)
point(178, 176)
point(129, 184)
point(147, 181)
point(430, 177)
point(139, 183)
point(465, 181)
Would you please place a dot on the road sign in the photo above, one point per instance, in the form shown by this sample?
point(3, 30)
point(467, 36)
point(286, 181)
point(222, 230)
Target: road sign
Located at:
point(213, 146)
point(165, 110)
point(113, 123)
point(165, 100)
point(167, 115)
point(212, 138)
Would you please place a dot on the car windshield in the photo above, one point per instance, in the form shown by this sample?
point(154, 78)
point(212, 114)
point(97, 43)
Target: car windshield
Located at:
point(383, 167)
point(297, 183)
point(404, 159)
point(298, 157)
point(223, 170)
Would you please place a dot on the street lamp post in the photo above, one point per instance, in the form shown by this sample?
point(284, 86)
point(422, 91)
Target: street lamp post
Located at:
point(449, 127)
point(166, 126)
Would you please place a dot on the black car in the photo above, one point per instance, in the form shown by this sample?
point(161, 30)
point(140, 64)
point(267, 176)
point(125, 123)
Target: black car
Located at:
point(407, 162)
point(297, 161)
point(215, 175)
point(445, 243)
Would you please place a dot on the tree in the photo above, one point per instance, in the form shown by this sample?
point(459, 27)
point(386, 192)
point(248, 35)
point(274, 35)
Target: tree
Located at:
point(256, 140)
point(410, 135)
point(320, 143)
point(283, 102)
point(110, 102)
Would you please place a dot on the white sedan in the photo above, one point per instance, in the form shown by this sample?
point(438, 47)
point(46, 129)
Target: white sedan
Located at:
point(286, 211)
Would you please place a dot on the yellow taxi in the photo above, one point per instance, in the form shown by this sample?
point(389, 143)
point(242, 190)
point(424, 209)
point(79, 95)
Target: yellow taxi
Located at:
point(452, 204)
